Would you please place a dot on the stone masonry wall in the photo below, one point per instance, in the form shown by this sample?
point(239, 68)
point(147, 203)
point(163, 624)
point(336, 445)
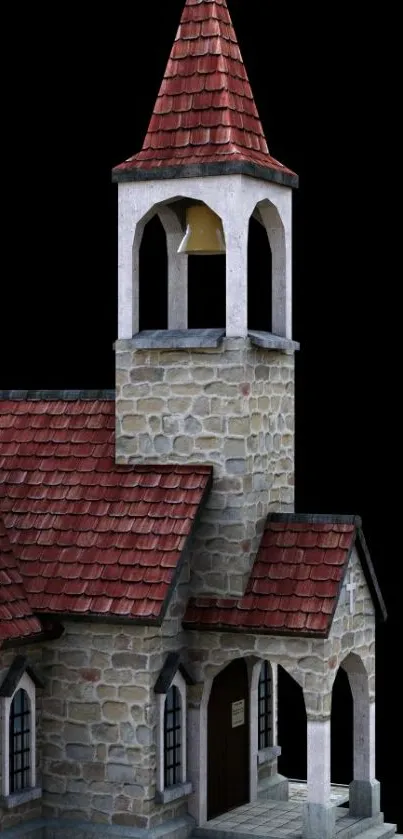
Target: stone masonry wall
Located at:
point(100, 723)
point(32, 809)
point(313, 663)
point(232, 407)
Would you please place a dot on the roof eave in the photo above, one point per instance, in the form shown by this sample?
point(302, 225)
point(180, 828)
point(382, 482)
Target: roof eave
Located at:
point(247, 630)
point(370, 576)
point(123, 174)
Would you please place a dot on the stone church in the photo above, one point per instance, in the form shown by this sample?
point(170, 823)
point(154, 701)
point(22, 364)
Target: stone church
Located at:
point(153, 572)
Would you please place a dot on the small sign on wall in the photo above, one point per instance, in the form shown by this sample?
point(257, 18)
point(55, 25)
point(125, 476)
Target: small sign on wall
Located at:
point(238, 713)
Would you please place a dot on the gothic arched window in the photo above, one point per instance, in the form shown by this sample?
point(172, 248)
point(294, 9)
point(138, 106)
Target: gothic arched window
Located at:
point(20, 742)
point(265, 710)
point(172, 738)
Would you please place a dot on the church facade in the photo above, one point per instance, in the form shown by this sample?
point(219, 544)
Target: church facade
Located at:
point(153, 572)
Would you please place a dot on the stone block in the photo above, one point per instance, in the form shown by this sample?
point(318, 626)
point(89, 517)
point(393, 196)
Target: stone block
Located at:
point(84, 711)
point(318, 821)
point(115, 711)
point(76, 733)
point(364, 798)
point(105, 733)
point(79, 752)
point(120, 773)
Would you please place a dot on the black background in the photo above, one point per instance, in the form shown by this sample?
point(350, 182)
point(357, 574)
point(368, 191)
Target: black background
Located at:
point(78, 95)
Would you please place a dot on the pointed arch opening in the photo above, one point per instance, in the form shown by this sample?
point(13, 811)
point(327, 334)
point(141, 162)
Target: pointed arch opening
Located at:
point(259, 276)
point(153, 280)
point(206, 284)
point(292, 727)
point(342, 730)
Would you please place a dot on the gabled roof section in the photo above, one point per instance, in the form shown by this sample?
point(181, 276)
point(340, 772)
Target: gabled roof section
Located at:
point(17, 620)
point(172, 665)
point(295, 582)
point(90, 538)
point(205, 120)
point(14, 674)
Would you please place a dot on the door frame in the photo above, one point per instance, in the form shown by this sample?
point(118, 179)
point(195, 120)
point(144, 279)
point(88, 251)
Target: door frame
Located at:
point(230, 684)
point(197, 751)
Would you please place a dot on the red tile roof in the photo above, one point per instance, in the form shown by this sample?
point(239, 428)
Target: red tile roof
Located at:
point(90, 537)
point(16, 617)
point(295, 581)
point(205, 111)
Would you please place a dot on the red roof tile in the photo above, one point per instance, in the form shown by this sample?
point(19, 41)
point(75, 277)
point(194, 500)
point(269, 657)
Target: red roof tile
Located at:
point(89, 536)
point(205, 112)
point(16, 617)
point(295, 580)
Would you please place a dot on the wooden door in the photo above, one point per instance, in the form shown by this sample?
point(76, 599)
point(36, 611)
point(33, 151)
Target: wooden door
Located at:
point(228, 740)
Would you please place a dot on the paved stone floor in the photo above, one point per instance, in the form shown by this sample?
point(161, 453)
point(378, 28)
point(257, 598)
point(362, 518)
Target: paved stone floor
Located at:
point(298, 791)
point(272, 819)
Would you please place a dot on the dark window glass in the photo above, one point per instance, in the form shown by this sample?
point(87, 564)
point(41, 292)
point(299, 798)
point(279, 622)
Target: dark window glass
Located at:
point(172, 738)
point(265, 706)
point(20, 730)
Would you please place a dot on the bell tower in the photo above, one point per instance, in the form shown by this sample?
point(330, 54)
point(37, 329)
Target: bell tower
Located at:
point(223, 396)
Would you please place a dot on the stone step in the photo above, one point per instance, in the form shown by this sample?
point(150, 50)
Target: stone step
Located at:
point(371, 828)
point(358, 827)
point(382, 831)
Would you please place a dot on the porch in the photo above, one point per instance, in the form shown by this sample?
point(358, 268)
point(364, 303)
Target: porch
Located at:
point(283, 820)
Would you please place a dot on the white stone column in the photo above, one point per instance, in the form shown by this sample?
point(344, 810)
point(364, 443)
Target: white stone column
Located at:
point(197, 754)
point(254, 730)
point(177, 284)
point(236, 241)
point(280, 244)
point(177, 271)
point(318, 814)
point(364, 790)
point(129, 239)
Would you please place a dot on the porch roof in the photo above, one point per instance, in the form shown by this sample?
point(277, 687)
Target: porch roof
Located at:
point(295, 581)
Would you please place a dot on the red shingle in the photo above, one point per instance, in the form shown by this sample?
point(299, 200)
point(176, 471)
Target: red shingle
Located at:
point(87, 536)
point(16, 617)
point(292, 590)
point(202, 109)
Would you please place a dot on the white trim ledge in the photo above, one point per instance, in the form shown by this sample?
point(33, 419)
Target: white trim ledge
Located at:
point(273, 342)
point(173, 793)
point(17, 798)
point(268, 754)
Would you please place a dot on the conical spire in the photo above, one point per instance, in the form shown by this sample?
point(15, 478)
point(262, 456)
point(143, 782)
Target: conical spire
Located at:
point(205, 117)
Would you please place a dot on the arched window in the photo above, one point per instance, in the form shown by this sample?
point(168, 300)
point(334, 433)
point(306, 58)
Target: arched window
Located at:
point(20, 742)
point(172, 738)
point(18, 735)
point(265, 706)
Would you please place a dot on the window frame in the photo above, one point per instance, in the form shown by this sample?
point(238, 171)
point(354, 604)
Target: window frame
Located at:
point(268, 713)
point(173, 730)
point(20, 724)
point(182, 787)
point(11, 799)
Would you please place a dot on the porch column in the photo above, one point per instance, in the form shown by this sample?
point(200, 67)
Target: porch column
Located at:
point(318, 814)
point(364, 789)
point(198, 696)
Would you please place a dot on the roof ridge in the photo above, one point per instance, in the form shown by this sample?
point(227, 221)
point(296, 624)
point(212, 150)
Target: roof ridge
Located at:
point(17, 619)
point(57, 394)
